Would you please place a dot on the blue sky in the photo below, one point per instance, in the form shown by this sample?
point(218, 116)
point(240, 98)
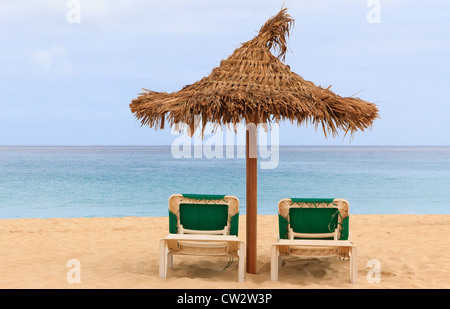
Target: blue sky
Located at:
point(65, 83)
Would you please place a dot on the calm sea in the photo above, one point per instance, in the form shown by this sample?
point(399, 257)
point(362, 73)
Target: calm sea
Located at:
point(68, 182)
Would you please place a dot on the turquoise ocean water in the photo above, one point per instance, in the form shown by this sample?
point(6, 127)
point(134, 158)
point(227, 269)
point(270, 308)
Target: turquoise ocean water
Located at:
point(117, 181)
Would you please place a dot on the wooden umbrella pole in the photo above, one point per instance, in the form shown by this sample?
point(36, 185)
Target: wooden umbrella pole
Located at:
point(251, 208)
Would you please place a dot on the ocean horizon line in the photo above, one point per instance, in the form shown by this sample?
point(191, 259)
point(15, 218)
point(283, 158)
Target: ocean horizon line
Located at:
point(168, 145)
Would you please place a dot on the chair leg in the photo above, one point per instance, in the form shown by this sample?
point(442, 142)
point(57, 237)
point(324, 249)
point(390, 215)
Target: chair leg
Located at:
point(241, 266)
point(274, 263)
point(353, 265)
point(162, 259)
point(170, 260)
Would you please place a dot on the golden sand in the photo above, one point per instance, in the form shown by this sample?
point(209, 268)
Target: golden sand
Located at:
point(413, 251)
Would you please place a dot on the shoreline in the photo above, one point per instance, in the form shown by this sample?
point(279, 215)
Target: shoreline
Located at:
point(122, 252)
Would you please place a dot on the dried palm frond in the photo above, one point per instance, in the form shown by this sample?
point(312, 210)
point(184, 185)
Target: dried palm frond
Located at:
point(254, 86)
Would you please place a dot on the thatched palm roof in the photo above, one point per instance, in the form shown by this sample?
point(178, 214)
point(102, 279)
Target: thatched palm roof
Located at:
point(254, 86)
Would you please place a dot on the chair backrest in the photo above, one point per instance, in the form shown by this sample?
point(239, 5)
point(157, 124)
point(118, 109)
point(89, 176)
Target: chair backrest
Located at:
point(203, 214)
point(203, 217)
point(313, 218)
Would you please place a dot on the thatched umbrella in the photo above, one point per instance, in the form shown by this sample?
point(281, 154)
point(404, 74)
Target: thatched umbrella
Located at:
point(254, 86)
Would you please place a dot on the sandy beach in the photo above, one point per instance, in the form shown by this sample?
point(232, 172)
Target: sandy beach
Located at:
point(412, 251)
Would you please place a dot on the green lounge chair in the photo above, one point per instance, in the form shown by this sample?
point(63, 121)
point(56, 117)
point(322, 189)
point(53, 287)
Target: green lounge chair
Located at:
point(313, 228)
point(202, 225)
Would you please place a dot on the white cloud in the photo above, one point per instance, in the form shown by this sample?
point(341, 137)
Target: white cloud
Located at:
point(52, 60)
